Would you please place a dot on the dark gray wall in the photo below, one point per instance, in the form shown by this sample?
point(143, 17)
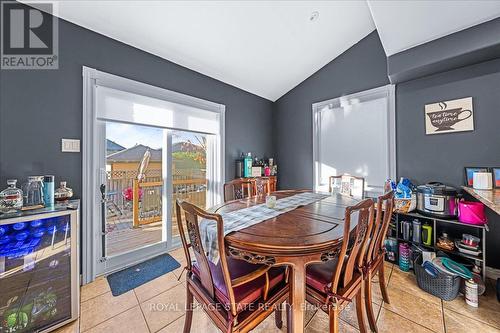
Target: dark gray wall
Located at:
point(361, 67)
point(442, 157)
point(477, 44)
point(420, 157)
point(39, 107)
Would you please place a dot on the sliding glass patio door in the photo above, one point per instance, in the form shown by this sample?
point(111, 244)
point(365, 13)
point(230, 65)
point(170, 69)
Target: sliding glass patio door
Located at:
point(148, 147)
point(145, 170)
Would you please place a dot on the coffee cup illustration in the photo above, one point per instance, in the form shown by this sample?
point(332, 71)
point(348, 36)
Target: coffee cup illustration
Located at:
point(444, 120)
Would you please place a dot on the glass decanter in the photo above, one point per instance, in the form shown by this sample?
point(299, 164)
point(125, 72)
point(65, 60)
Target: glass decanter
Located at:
point(63, 193)
point(11, 199)
point(33, 191)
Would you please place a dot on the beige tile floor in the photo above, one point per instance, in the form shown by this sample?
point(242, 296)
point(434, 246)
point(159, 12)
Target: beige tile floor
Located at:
point(158, 307)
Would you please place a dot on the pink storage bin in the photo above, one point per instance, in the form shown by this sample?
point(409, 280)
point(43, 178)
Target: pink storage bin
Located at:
point(471, 212)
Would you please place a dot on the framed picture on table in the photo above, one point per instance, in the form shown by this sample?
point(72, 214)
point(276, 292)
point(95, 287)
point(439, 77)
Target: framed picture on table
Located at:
point(496, 177)
point(469, 174)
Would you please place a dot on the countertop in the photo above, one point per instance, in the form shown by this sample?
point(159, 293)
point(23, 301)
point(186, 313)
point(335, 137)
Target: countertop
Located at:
point(57, 207)
point(491, 198)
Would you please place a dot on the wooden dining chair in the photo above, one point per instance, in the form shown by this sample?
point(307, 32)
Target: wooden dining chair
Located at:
point(375, 254)
point(333, 284)
point(236, 295)
point(262, 186)
point(239, 189)
point(347, 185)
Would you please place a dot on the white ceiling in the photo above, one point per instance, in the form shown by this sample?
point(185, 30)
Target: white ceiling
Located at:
point(264, 47)
point(269, 47)
point(404, 24)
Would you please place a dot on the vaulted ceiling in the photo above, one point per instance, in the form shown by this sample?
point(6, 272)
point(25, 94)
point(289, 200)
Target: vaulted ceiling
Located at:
point(269, 47)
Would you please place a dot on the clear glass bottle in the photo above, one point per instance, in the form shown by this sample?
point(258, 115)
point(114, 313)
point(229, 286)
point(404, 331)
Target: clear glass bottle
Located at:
point(63, 193)
point(33, 191)
point(11, 199)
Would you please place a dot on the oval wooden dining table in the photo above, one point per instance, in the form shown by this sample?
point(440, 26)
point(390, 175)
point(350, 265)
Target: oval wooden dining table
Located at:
point(310, 233)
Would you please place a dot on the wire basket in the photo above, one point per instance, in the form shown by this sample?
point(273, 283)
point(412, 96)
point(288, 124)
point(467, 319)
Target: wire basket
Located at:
point(444, 286)
point(403, 205)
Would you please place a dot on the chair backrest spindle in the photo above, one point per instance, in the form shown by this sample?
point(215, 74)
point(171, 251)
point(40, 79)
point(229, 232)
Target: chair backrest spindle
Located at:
point(385, 208)
point(354, 243)
point(239, 189)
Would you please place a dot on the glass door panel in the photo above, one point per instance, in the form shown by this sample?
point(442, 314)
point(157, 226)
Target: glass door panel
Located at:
point(189, 171)
point(134, 187)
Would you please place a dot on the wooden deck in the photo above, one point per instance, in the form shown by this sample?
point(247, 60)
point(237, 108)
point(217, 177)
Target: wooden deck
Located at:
point(123, 237)
point(128, 239)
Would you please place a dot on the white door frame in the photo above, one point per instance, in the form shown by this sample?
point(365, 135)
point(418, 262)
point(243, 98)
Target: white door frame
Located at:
point(91, 153)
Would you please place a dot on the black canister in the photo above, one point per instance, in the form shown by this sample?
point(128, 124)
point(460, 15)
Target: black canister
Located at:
point(239, 168)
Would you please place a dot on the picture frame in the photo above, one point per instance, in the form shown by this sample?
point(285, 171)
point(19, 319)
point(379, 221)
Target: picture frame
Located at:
point(496, 177)
point(469, 173)
point(449, 116)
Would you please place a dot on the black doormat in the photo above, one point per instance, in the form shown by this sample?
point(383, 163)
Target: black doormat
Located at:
point(134, 276)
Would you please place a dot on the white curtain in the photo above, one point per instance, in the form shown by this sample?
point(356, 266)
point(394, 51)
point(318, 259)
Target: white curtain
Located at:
point(123, 106)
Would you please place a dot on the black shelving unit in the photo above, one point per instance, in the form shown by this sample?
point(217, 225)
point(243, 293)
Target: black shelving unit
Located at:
point(454, 228)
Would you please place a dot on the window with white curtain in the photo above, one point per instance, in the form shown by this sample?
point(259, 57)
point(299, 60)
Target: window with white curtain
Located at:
point(355, 135)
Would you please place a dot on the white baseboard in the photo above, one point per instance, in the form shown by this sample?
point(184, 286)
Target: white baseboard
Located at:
point(492, 273)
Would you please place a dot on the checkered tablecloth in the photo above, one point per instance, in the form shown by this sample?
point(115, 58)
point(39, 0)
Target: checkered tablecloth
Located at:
point(243, 218)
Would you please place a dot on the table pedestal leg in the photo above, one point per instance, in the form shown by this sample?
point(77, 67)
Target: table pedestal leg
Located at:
point(297, 297)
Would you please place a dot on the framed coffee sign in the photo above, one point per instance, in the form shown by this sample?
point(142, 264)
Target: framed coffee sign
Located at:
point(449, 116)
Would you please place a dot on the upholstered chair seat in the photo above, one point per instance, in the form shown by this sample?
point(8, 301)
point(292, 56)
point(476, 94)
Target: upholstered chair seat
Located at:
point(249, 292)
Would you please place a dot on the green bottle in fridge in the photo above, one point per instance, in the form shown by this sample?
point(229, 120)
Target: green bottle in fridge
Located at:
point(248, 165)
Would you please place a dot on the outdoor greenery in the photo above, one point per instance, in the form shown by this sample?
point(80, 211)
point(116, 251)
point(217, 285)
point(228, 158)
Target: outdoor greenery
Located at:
point(188, 160)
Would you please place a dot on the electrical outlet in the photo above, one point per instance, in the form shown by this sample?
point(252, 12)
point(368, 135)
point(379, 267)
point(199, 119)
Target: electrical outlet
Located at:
point(70, 145)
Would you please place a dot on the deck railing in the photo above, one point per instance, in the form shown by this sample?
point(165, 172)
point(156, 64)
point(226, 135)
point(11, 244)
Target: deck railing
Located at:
point(144, 204)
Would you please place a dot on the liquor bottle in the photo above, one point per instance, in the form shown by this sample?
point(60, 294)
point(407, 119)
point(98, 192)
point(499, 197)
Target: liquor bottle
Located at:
point(248, 165)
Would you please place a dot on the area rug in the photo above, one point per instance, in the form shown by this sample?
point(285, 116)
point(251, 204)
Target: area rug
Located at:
point(134, 276)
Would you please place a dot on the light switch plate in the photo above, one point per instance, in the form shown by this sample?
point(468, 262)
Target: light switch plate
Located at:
point(70, 145)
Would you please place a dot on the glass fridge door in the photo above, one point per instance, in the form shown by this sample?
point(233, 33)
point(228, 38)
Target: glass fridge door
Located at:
point(35, 274)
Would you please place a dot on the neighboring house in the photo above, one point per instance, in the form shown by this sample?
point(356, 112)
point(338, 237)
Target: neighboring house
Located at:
point(112, 147)
point(128, 159)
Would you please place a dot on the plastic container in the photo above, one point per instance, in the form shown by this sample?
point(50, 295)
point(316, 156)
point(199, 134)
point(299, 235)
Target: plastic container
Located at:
point(417, 231)
point(471, 212)
point(470, 240)
point(404, 257)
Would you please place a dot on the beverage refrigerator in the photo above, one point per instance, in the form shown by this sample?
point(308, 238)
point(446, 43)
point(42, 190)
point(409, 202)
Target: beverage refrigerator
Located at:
point(39, 269)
